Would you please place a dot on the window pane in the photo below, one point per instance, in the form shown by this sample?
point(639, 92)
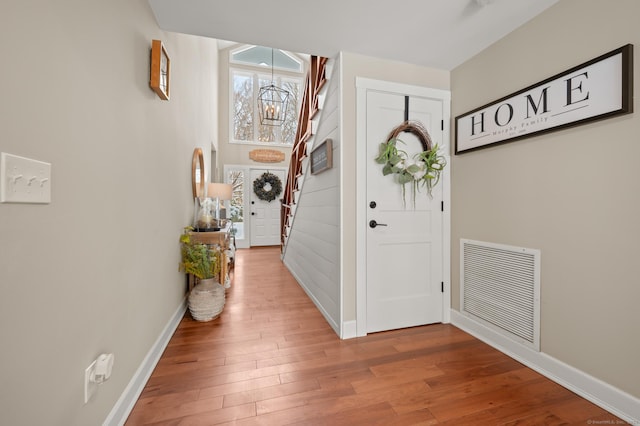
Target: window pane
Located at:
point(242, 107)
point(267, 133)
point(261, 56)
point(290, 124)
point(236, 205)
point(246, 125)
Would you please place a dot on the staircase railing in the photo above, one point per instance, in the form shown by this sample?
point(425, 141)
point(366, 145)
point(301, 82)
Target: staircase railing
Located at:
point(315, 80)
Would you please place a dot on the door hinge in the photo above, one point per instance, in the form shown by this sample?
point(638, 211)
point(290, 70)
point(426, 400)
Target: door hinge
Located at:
point(441, 206)
point(442, 287)
point(442, 125)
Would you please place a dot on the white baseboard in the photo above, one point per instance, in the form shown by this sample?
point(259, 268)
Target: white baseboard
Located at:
point(127, 400)
point(349, 330)
point(610, 398)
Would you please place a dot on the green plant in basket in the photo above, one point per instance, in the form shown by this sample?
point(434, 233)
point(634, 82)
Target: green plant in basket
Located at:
point(198, 259)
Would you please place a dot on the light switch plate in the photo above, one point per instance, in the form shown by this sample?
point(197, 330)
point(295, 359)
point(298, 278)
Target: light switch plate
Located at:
point(90, 387)
point(23, 180)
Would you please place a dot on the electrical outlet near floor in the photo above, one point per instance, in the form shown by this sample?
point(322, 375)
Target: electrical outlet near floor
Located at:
point(90, 387)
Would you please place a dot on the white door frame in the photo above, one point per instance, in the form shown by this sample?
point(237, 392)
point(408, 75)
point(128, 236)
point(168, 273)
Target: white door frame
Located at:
point(272, 207)
point(362, 86)
point(246, 242)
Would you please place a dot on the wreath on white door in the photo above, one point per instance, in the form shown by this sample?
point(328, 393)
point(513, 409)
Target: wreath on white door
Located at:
point(267, 187)
point(423, 169)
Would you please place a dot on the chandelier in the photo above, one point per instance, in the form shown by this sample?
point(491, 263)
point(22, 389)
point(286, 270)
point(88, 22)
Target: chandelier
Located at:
point(272, 102)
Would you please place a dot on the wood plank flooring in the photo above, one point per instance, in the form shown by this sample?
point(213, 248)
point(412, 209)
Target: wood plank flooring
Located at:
point(271, 359)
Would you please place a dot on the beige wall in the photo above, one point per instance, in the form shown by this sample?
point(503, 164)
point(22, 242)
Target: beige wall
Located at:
point(572, 193)
point(352, 66)
point(96, 270)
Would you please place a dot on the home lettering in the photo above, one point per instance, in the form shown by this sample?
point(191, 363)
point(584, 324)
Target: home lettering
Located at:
point(575, 92)
point(543, 98)
point(473, 124)
point(571, 88)
point(598, 89)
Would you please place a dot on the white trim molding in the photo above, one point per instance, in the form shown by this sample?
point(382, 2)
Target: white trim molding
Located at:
point(363, 85)
point(349, 330)
point(129, 397)
point(245, 242)
point(610, 398)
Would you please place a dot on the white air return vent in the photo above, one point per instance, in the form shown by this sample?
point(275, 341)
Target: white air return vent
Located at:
point(500, 288)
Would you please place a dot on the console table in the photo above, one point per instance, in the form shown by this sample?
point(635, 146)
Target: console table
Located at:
point(221, 238)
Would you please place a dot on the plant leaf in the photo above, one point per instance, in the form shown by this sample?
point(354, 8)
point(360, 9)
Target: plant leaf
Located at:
point(404, 178)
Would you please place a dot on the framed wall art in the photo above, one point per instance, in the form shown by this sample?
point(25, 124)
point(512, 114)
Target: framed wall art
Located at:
point(322, 157)
point(160, 70)
point(595, 90)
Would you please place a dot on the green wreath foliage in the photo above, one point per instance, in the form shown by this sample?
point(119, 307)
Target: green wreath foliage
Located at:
point(270, 179)
point(422, 170)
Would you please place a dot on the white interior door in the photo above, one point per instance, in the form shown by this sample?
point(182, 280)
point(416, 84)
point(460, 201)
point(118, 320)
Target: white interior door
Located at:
point(264, 215)
point(404, 261)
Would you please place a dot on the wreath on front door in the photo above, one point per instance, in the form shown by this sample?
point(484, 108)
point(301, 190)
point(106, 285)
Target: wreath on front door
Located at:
point(423, 169)
point(271, 181)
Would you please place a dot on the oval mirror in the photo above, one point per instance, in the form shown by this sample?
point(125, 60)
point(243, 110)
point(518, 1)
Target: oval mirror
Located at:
point(197, 173)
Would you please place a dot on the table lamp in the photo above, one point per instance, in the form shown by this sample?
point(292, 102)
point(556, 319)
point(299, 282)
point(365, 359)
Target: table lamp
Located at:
point(219, 192)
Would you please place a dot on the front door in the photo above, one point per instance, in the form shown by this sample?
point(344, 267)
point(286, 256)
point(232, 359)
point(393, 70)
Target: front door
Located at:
point(404, 260)
point(265, 215)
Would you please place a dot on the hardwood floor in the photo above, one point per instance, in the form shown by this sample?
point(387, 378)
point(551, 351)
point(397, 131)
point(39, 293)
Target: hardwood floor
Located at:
point(271, 359)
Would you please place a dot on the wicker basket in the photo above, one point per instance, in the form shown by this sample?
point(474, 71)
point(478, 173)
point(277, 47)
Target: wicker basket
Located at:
point(206, 300)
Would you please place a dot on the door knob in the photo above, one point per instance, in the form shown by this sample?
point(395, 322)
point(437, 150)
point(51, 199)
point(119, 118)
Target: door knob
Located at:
point(373, 224)
point(253, 214)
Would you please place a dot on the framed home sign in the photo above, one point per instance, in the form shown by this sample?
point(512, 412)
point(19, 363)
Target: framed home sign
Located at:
point(598, 89)
point(322, 157)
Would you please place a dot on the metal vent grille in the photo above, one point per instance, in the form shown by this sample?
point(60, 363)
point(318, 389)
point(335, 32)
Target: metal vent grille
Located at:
point(500, 286)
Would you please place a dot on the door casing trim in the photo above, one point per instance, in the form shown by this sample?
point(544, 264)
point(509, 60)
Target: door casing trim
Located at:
point(363, 85)
point(246, 242)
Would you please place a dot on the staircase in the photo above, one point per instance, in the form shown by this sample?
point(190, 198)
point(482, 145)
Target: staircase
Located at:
point(316, 78)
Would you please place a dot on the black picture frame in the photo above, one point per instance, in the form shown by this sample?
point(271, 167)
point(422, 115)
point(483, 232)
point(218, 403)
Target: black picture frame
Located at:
point(501, 127)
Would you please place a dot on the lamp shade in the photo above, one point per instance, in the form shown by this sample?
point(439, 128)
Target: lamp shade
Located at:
point(220, 190)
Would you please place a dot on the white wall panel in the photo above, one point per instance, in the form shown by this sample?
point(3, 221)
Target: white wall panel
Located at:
point(313, 250)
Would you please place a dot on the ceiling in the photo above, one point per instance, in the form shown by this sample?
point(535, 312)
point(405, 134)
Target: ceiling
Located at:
point(435, 33)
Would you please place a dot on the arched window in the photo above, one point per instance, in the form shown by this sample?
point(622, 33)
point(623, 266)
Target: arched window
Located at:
point(250, 68)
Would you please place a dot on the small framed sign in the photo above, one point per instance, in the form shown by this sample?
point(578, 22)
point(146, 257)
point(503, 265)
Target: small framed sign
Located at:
point(267, 155)
point(322, 157)
point(160, 70)
point(598, 89)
